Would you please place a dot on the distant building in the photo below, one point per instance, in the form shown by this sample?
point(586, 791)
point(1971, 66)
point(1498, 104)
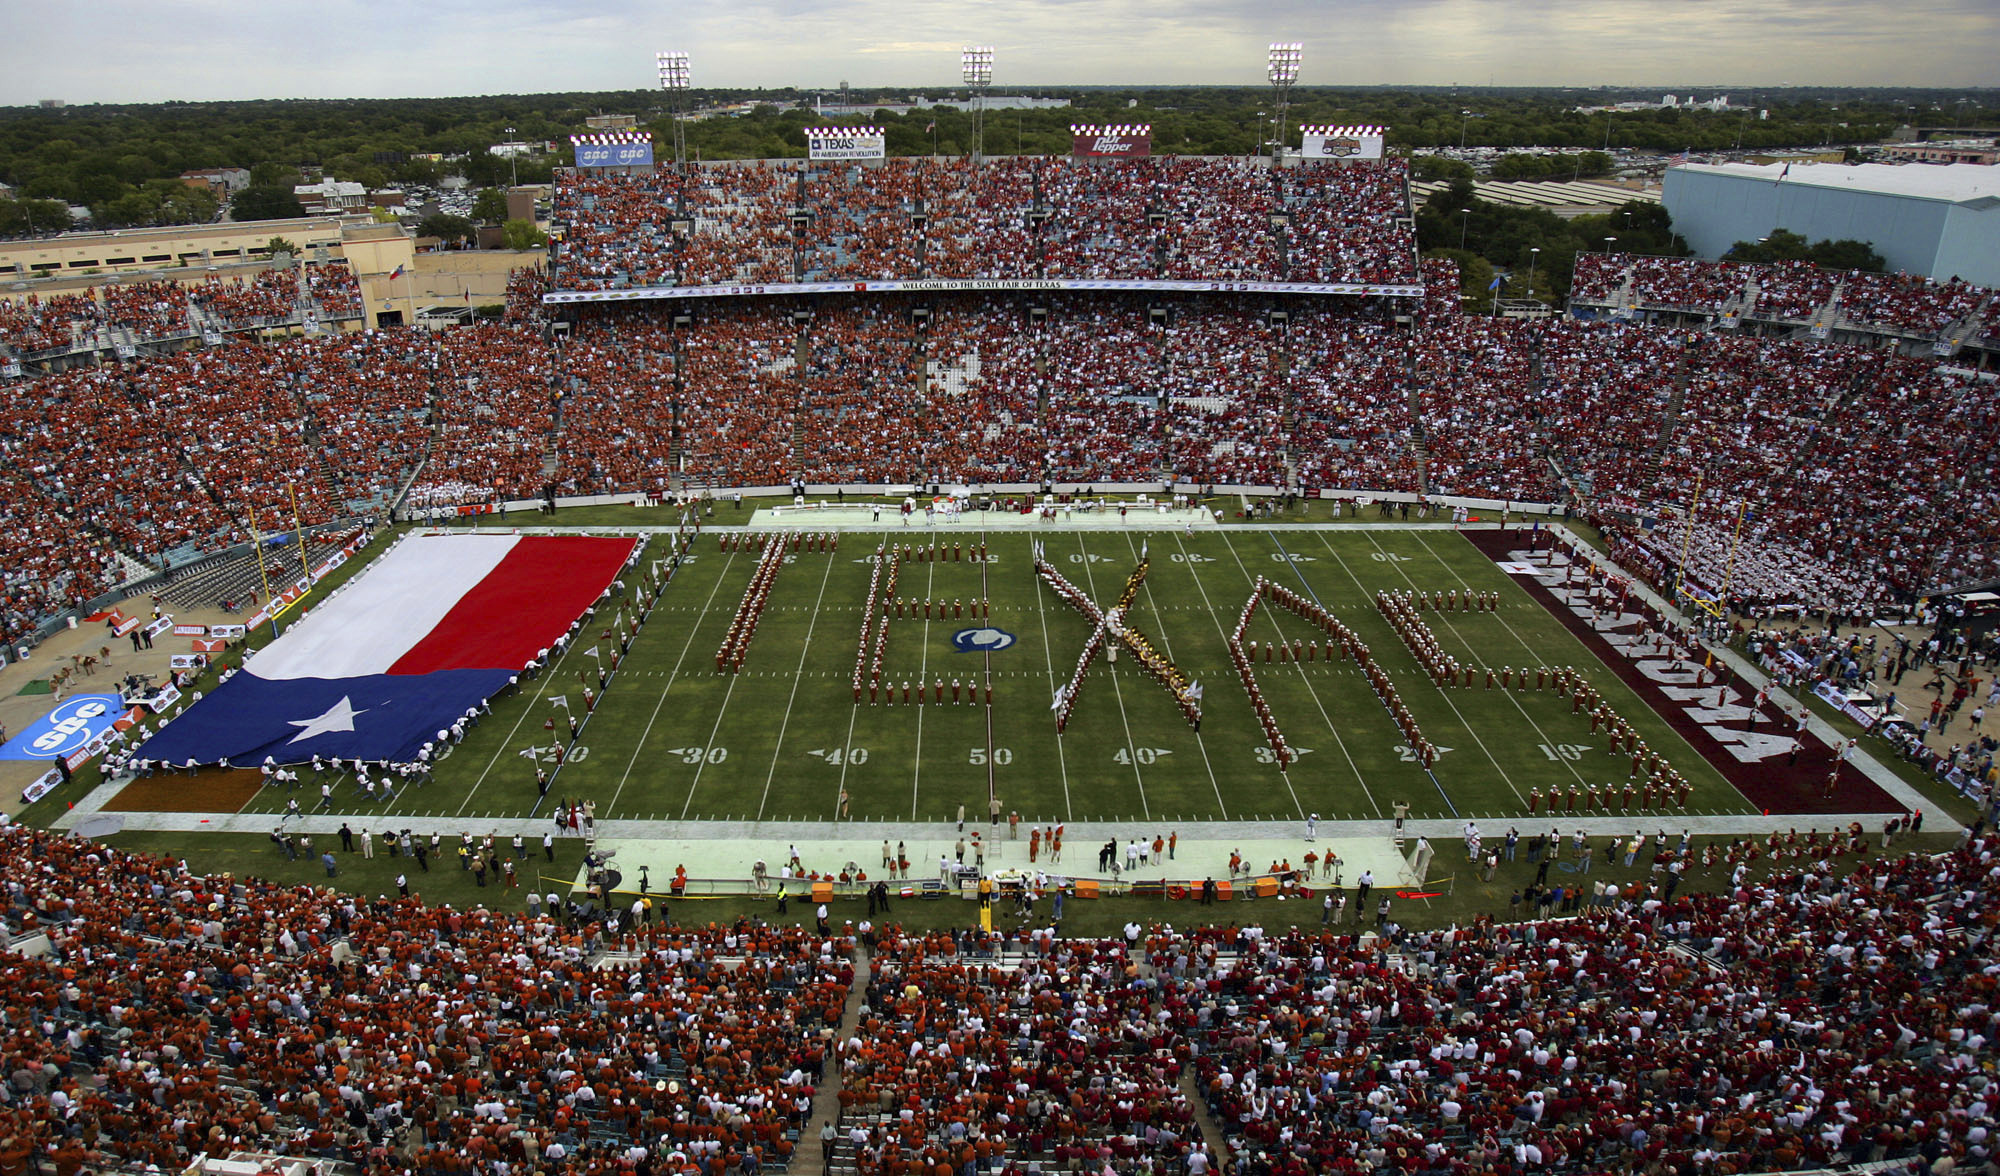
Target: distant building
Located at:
point(518, 149)
point(331, 196)
point(52, 104)
point(1980, 151)
point(168, 247)
point(612, 122)
point(1938, 221)
point(222, 181)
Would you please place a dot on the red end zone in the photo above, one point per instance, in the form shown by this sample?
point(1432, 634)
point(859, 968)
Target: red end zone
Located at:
point(1715, 720)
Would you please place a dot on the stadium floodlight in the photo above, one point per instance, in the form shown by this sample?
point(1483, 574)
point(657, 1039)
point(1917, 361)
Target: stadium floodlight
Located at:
point(976, 64)
point(1282, 68)
point(675, 80)
point(1284, 62)
point(976, 67)
point(673, 71)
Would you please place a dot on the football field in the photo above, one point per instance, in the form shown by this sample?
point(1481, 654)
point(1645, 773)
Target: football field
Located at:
point(783, 738)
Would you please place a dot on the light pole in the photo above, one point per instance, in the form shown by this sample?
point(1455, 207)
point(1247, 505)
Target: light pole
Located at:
point(1464, 214)
point(513, 155)
point(1531, 269)
point(1608, 243)
point(1465, 120)
point(976, 67)
point(674, 80)
point(1282, 67)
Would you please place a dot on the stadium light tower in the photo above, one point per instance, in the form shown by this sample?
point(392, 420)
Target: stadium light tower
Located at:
point(674, 80)
point(976, 66)
point(1283, 70)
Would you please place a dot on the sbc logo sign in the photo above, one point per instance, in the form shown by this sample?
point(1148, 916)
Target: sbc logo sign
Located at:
point(70, 726)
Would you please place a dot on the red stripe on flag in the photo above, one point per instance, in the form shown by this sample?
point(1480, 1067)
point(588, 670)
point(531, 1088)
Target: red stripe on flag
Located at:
point(525, 603)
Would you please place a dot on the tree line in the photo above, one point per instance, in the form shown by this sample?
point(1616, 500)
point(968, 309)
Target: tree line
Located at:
point(123, 162)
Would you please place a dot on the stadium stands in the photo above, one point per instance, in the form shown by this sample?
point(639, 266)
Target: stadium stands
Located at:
point(160, 310)
point(1814, 445)
point(1014, 217)
point(1786, 291)
point(1824, 1016)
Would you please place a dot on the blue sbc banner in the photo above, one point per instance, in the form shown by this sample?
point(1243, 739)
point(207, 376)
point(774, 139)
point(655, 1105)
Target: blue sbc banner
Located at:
point(65, 730)
point(614, 155)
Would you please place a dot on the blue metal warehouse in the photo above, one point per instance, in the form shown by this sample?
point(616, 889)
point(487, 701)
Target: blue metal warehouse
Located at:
point(1941, 221)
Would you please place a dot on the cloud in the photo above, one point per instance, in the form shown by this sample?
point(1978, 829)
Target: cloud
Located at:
point(222, 49)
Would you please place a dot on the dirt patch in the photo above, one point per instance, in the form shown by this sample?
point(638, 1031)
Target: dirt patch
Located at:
point(206, 791)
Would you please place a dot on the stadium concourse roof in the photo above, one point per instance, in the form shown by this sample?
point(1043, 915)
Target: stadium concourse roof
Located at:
point(1959, 183)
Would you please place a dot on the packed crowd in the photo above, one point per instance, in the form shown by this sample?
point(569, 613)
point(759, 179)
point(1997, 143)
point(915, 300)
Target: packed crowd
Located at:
point(1816, 1019)
point(1820, 1017)
point(161, 309)
point(1790, 291)
point(177, 1015)
point(1807, 446)
point(1170, 217)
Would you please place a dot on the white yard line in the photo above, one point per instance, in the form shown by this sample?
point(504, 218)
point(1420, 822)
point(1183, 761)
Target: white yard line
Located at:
point(1160, 625)
point(1131, 745)
point(923, 668)
point(672, 676)
point(1048, 656)
point(854, 715)
point(723, 711)
point(798, 675)
point(1318, 705)
point(1470, 728)
point(547, 679)
point(1692, 750)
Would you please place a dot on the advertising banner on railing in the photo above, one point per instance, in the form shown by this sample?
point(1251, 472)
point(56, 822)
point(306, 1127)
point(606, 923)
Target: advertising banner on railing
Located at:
point(1341, 142)
point(955, 285)
point(835, 143)
point(1129, 141)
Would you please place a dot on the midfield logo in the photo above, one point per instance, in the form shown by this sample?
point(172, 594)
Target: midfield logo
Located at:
point(981, 640)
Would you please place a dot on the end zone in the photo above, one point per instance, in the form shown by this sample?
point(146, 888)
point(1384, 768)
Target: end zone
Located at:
point(1747, 739)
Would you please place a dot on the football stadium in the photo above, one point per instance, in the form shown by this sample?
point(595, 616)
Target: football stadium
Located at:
point(1091, 663)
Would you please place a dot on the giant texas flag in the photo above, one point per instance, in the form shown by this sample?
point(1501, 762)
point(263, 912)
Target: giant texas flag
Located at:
point(437, 625)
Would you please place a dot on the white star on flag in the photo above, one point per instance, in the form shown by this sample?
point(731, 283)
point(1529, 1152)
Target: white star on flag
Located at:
point(338, 717)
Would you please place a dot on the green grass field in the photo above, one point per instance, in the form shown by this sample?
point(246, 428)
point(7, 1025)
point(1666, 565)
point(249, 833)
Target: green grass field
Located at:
point(673, 739)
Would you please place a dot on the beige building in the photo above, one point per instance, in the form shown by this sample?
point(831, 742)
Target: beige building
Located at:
point(126, 250)
point(448, 280)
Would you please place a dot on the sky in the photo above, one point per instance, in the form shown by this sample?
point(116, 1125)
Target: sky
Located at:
point(85, 51)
